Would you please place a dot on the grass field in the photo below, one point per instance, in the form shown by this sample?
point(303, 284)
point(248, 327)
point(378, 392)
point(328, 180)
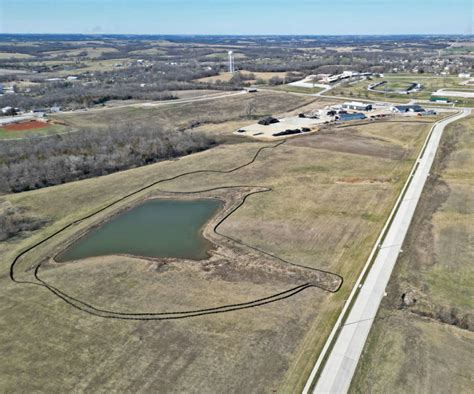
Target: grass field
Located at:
point(91, 64)
point(150, 51)
point(394, 85)
point(322, 212)
point(96, 65)
point(296, 89)
point(225, 77)
point(180, 115)
point(427, 345)
point(225, 55)
point(89, 52)
point(220, 112)
point(10, 55)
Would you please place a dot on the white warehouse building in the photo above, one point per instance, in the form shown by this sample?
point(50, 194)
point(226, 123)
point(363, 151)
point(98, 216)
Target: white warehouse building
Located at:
point(357, 106)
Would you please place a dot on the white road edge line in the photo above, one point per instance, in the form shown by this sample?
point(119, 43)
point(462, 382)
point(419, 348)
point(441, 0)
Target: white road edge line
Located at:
point(340, 366)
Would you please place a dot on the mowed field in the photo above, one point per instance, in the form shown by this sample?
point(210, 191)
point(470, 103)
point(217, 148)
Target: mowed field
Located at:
point(330, 195)
point(423, 339)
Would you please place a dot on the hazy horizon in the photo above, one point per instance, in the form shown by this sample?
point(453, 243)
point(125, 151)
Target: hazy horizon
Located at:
point(236, 35)
point(245, 17)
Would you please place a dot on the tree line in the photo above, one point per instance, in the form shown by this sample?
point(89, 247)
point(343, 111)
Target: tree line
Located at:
point(40, 162)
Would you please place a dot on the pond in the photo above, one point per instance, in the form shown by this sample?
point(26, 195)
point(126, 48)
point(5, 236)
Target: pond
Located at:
point(156, 228)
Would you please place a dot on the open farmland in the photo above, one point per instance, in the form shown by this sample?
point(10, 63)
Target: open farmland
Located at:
point(101, 65)
point(226, 76)
point(84, 51)
point(325, 199)
point(422, 340)
point(9, 55)
point(222, 212)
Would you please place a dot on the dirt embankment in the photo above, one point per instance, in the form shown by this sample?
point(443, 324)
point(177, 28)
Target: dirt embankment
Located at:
point(28, 125)
point(231, 260)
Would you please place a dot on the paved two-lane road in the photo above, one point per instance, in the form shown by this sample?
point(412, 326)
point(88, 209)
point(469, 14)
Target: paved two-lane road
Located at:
point(342, 360)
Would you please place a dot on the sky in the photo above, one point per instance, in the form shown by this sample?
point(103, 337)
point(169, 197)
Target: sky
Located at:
point(237, 17)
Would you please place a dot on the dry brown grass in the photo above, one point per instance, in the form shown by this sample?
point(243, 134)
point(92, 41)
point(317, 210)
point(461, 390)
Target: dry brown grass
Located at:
point(226, 77)
point(406, 353)
point(427, 346)
point(309, 218)
point(175, 115)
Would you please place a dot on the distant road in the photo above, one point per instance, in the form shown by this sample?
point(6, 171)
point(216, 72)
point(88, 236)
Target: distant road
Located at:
point(348, 336)
point(17, 118)
point(150, 104)
point(453, 93)
point(213, 96)
point(307, 82)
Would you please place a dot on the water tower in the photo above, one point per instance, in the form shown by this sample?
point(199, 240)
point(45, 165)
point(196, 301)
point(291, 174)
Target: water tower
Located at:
point(231, 62)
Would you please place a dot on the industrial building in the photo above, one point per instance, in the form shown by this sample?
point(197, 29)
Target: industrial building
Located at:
point(344, 75)
point(357, 106)
point(408, 108)
point(439, 100)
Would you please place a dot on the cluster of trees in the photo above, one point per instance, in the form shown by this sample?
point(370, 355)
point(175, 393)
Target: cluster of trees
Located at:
point(73, 95)
point(40, 162)
point(156, 83)
point(241, 79)
point(8, 78)
point(180, 63)
point(14, 221)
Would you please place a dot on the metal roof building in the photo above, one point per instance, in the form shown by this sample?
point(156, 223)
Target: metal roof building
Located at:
point(408, 108)
point(357, 106)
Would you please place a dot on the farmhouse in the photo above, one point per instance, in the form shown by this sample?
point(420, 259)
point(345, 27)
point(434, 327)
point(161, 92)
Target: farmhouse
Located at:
point(357, 106)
